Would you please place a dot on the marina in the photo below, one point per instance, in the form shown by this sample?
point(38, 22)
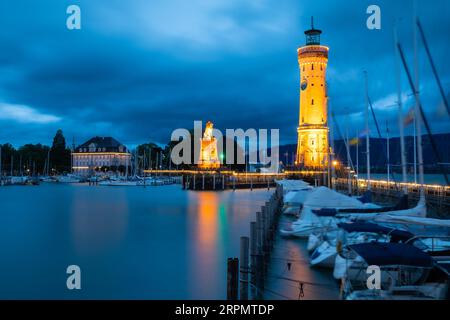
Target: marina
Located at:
point(238, 152)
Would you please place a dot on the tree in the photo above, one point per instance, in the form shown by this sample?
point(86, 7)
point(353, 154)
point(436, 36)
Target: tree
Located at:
point(152, 155)
point(59, 154)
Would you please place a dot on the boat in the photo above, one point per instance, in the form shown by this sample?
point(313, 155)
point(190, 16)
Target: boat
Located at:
point(18, 180)
point(400, 264)
point(352, 233)
point(420, 210)
point(293, 201)
point(310, 222)
point(433, 286)
point(118, 183)
point(47, 179)
point(69, 178)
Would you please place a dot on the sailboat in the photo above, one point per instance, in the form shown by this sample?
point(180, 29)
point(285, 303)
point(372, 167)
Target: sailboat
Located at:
point(351, 233)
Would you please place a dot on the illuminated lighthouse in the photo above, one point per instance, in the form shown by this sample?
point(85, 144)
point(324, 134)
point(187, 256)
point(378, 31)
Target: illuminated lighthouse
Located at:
point(312, 144)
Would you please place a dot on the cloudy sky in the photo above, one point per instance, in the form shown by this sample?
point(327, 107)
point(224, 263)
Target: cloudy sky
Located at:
point(139, 69)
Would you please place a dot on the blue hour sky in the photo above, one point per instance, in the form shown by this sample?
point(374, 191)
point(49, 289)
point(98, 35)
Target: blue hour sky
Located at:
point(139, 69)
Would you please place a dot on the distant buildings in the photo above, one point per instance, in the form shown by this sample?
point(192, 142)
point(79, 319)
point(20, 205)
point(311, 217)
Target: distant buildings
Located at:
point(100, 154)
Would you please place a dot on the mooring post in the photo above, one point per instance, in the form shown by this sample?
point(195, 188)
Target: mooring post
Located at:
point(251, 184)
point(253, 255)
point(260, 255)
point(223, 182)
point(234, 183)
point(232, 278)
point(214, 182)
point(264, 227)
point(244, 268)
point(203, 182)
point(194, 183)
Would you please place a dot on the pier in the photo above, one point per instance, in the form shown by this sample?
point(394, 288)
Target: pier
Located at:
point(437, 196)
point(226, 180)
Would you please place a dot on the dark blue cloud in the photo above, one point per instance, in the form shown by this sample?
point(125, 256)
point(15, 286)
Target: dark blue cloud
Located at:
point(139, 69)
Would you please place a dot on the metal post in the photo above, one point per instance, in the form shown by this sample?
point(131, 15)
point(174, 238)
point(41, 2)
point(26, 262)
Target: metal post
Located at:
point(253, 252)
point(232, 278)
point(244, 255)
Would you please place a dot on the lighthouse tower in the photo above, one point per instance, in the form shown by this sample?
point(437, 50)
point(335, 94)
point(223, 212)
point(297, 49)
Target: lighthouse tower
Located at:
point(312, 144)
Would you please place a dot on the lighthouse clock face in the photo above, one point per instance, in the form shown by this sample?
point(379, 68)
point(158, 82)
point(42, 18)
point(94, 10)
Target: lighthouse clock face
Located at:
point(304, 84)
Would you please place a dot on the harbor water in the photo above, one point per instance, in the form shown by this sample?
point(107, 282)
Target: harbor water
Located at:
point(130, 242)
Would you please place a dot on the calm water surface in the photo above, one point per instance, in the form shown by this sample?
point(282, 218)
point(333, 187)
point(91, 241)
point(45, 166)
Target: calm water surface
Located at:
point(130, 242)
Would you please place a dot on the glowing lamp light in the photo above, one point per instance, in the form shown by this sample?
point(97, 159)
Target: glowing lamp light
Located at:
point(335, 163)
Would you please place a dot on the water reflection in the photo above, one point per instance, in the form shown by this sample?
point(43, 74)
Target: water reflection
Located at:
point(98, 225)
point(205, 247)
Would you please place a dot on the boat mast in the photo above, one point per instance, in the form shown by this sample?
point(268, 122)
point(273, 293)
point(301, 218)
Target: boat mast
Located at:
point(400, 112)
point(415, 149)
point(357, 158)
point(387, 153)
point(418, 116)
point(349, 183)
point(332, 155)
point(416, 80)
point(367, 131)
point(0, 164)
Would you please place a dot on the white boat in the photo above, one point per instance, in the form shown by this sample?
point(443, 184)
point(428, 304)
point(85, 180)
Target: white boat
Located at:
point(432, 286)
point(70, 178)
point(47, 179)
point(18, 180)
point(397, 262)
point(324, 255)
point(428, 291)
point(420, 211)
point(292, 185)
point(319, 198)
point(352, 233)
point(118, 183)
point(293, 201)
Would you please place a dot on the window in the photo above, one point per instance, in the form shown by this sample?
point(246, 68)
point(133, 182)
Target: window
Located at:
point(321, 68)
point(312, 66)
point(312, 101)
point(303, 68)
